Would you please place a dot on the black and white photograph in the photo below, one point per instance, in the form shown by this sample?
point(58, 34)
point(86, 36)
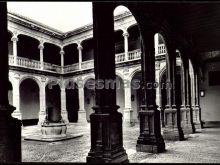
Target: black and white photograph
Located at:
point(109, 82)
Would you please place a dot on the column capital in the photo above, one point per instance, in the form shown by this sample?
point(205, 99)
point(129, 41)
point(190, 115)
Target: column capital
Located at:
point(41, 46)
point(14, 39)
point(62, 52)
point(125, 34)
point(79, 47)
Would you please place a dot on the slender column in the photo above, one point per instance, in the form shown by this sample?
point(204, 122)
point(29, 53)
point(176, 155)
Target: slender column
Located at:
point(62, 60)
point(128, 111)
point(63, 102)
point(14, 39)
point(126, 35)
point(82, 112)
point(16, 97)
point(80, 48)
point(196, 108)
point(173, 129)
point(150, 138)
point(106, 122)
point(42, 113)
point(41, 47)
point(10, 128)
point(188, 99)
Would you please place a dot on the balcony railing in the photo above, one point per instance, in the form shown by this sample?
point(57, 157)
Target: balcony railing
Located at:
point(119, 58)
point(161, 49)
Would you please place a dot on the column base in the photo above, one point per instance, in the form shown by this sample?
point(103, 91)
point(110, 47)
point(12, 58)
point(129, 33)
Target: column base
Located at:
point(173, 134)
point(128, 120)
point(150, 139)
point(82, 116)
point(186, 125)
point(196, 120)
point(17, 114)
point(10, 131)
point(106, 137)
point(64, 116)
point(42, 116)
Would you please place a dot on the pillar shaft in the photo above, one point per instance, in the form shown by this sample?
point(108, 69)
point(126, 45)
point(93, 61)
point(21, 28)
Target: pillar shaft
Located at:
point(16, 98)
point(80, 55)
point(10, 128)
point(41, 47)
point(173, 129)
point(126, 35)
point(63, 104)
point(106, 122)
point(42, 113)
point(15, 40)
point(150, 138)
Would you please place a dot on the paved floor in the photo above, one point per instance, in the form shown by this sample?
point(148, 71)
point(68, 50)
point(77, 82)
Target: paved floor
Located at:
point(198, 148)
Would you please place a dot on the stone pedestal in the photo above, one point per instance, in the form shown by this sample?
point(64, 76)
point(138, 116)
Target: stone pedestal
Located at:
point(185, 120)
point(53, 125)
point(128, 117)
point(149, 140)
point(82, 116)
point(10, 133)
point(196, 120)
point(172, 130)
point(106, 138)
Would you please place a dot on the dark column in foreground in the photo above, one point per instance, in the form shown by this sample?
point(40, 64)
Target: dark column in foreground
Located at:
point(106, 122)
point(10, 128)
point(173, 129)
point(150, 138)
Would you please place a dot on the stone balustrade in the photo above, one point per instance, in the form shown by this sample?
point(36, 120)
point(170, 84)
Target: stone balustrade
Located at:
point(89, 64)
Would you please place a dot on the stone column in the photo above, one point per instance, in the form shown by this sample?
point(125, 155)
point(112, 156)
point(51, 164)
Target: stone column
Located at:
point(10, 128)
point(41, 47)
point(150, 138)
point(196, 108)
point(173, 129)
point(188, 99)
point(14, 39)
point(80, 48)
point(106, 121)
point(128, 111)
point(82, 112)
point(62, 60)
point(16, 97)
point(126, 35)
point(63, 102)
point(42, 113)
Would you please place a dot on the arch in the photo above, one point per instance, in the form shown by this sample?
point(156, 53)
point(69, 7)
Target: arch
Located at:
point(133, 73)
point(52, 53)
point(71, 54)
point(88, 49)
point(29, 101)
point(120, 96)
point(87, 78)
point(28, 47)
point(30, 77)
point(119, 75)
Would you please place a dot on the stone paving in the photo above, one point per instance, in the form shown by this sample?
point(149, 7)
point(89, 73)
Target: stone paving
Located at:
point(198, 148)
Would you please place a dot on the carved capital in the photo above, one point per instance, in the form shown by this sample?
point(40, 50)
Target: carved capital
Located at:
point(125, 34)
point(62, 52)
point(14, 39)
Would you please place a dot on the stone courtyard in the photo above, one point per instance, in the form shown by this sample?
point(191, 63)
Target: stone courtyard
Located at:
point(201, 147)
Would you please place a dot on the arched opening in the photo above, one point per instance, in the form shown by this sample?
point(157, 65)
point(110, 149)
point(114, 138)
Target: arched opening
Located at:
point(53, 100)
point(120, 97)
point(27, 47)
point(88, 49)
point(119, 42)
point(89, 99)
point(10, 93)
point(29, 101)
point(136, 95)
point(52, 54)
point(134, 38)
point(72, 102)
point(71, 54)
